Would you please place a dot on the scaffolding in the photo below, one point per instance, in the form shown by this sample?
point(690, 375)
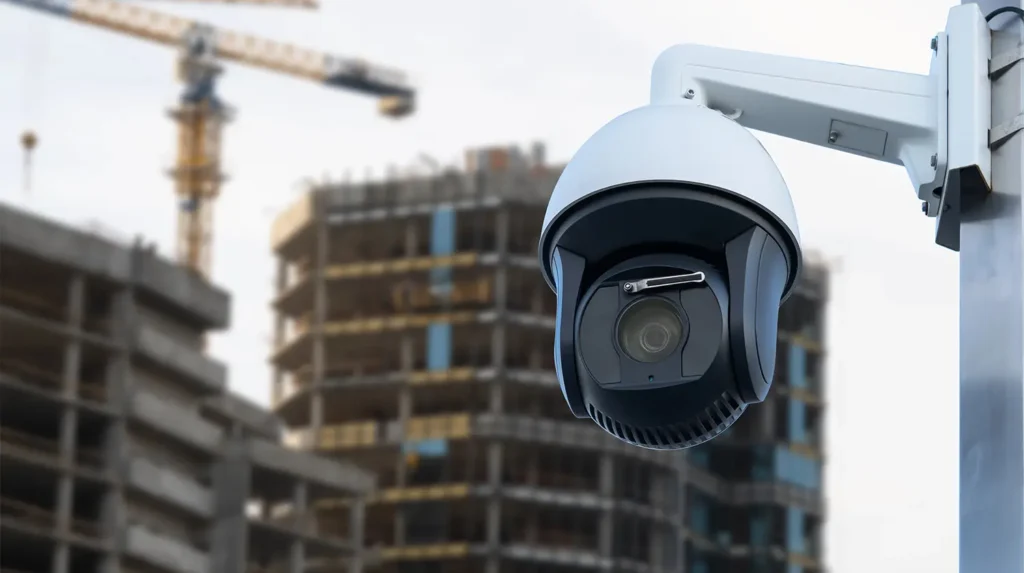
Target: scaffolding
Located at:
point(414, 336)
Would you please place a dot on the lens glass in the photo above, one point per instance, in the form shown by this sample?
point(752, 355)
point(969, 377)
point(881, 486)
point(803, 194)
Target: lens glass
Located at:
point(649, 330)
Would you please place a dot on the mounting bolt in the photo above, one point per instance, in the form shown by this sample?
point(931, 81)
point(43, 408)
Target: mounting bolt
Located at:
point(689, 94)
point(833, 136)
point(935, 44)
point(934, 160)
point(628, 287)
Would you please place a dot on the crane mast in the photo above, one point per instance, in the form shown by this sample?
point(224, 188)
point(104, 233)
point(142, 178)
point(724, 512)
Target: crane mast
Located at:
point(200, 115)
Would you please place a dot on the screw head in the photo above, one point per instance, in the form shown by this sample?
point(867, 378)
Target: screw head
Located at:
point(628, 287)
point(924, 207)
point(689, 94)
point(833, 136)
point(935, 44)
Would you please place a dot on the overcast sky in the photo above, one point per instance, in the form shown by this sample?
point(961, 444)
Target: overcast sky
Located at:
point(514, 72)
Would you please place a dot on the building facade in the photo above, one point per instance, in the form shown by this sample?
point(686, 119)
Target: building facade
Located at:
point(121, 450)
point(414, 337)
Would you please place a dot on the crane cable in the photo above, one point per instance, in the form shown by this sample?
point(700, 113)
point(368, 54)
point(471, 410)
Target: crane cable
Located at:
point(34, 82)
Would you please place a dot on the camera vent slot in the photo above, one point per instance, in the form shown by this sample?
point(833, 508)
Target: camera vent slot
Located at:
point(714, 420)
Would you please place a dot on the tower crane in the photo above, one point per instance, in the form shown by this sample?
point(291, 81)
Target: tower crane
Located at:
point(200, 114)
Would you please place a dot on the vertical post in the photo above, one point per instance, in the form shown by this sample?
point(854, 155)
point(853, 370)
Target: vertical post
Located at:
point(992, 340)
point(319, 276)
point(278, 377)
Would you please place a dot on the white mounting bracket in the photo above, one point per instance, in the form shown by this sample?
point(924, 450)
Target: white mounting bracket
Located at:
point(935, 125)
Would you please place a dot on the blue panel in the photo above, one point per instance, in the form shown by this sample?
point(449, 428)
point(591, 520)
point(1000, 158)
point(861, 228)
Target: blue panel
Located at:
point(700, 456)
point(760, 529)
point(442, 243)
point(58, 7)
point(442, 232)
point(797, 366)
point(700, 516)
point(797, 421)
point(439, 346)
point(699, 566)
point(797, 469)
point(426, 448)
point(794, 530)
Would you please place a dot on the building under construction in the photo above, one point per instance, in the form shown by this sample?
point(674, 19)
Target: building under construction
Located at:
point(414, 336)
point(120, 449)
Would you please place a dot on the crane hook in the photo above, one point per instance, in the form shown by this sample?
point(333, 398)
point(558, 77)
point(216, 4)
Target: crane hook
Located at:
point(29, 140)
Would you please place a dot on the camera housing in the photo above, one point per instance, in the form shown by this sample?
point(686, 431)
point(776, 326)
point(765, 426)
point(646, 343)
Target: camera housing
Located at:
point(670, 240)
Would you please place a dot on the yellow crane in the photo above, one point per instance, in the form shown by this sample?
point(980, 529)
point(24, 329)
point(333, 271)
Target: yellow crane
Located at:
point(200, 114)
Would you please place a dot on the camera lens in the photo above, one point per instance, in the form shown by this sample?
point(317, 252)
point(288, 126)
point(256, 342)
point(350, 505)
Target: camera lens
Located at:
point(649, 330)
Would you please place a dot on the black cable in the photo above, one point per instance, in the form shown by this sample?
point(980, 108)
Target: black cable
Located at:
point(1005, 9)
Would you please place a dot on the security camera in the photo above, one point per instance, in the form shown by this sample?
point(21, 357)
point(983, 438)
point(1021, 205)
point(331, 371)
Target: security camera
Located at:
point(671, 239)
point(669, 259)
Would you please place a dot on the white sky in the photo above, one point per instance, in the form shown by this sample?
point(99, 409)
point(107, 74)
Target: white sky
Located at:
point(504, 72)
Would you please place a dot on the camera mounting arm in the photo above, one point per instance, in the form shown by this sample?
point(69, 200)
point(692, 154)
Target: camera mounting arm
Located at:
point(935, 125)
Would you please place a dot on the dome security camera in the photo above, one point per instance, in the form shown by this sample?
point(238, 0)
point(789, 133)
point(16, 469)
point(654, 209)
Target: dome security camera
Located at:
point(670, 260)
point(671, 239)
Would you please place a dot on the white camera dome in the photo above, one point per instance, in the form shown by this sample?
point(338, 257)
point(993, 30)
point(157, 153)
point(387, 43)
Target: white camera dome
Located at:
point(675, 144)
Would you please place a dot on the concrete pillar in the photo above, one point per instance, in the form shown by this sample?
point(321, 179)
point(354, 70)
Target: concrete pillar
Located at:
point(318, 276)
point(407, 353)
point(401, 471)
point(316, 410)
point(606, 487)
point(118, 385)
point(278, 377)
point(357, 520)
point(112, 516)
point(61, 558)
point(73, 347)
point(494, 470)
point(300, 513)
point(656, 548)
point(496, 399)
point(498, 337)
point(411, 242)
point(72, 360)
point(404, 413)
point(231, 484)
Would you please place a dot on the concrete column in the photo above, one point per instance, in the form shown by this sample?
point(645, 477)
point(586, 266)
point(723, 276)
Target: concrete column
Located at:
point(72, 361)
point(656, 548)
point(316, 410)
point(498, 337)
point(606, 487)
point(278, 377)
point(768, 419)
point(112, 518)
point(318, 276)
point(231, 484)
point(357, 520)
point(496, 399)
point(118, 384)
point(404, 413)
point(73, 347)
point(297, 555)
point(61, 558)
point(401, 472)
point(411, 244)
point(407, 353)
point(494, 470)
